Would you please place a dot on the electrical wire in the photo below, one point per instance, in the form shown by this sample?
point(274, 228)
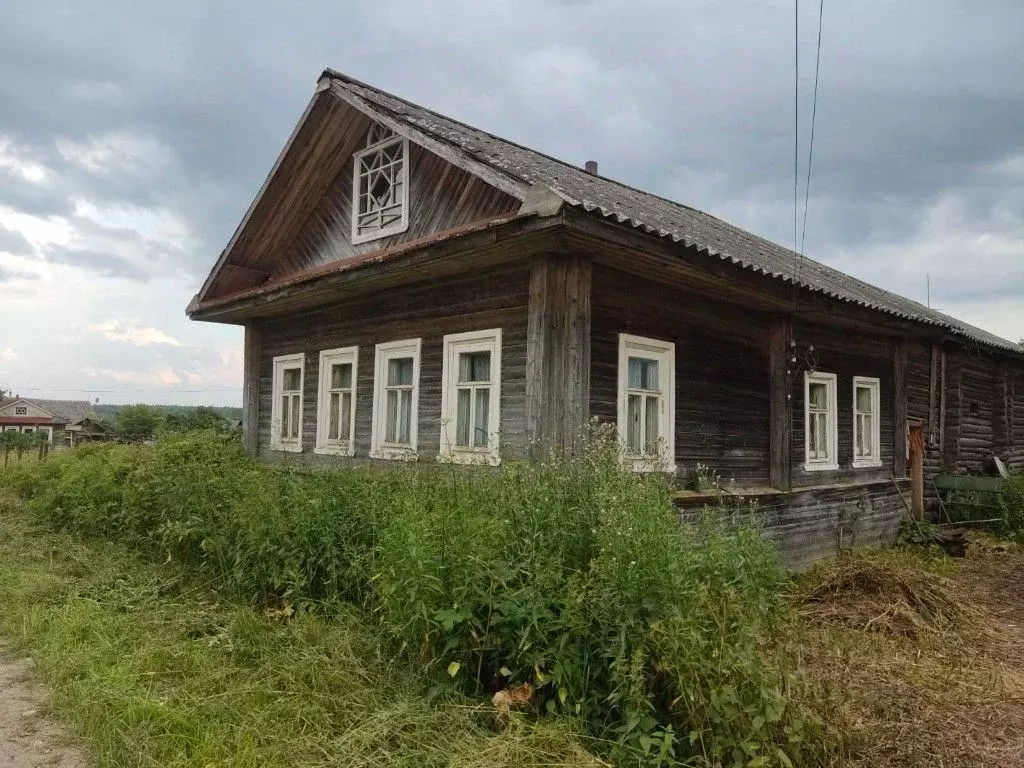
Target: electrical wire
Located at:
point(814, 115)
point(796, 116)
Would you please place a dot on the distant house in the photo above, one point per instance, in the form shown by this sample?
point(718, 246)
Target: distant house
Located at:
point(59, 420)
point(413, 288)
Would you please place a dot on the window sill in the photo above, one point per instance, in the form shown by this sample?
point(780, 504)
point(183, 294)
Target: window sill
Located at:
point(334, 450)
point(286, 447)
point(649, 465)
point(470, 457)
point(874, 464)
point(820, 467)
point(395, 454)
point(368, 238)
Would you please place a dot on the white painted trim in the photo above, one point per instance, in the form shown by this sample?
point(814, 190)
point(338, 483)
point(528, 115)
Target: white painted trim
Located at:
point(379, 449)
point(396, 229)
point(832, 462)
point(665, 353)
point(876, 424)
point(329, 357)
point(282, 362)
point(454, 344)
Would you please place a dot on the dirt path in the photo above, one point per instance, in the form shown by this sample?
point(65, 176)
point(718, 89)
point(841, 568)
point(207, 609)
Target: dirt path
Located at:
point(29, 737)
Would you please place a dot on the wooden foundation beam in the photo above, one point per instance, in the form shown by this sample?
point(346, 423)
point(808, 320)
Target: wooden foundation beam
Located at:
point(781, 371)
point(251, 388)
point(558, 354)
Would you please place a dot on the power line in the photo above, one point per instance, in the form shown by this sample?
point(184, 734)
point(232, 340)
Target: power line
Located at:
point(814, 114)
point(171, 390)
point(796, 115)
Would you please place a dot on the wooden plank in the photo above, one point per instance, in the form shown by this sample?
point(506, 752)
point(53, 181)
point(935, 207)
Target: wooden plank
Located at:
point(933, 426)
point(968, 483)
point(917, 472)
point(1001, 410)
point(899, 427)
point(251, 388)
point(536, 351)
point(781, 396)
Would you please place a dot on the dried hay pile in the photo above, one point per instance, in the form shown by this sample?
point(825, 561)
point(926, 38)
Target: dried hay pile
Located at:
point(887, 594)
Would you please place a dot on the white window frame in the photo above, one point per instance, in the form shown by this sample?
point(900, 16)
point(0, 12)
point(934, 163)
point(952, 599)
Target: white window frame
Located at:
point(403, 224)
point(665, 353)
point(282, 363)
point(324, 444)
point(379, 448)
point(875, 385)
point(454, 345)
point(830, 462)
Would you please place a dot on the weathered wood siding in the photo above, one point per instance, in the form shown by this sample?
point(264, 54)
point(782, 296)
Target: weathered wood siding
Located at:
point(976, 437)
point(846, 354)
point(722, 373)
point(1015, 396)
point(813, 523)
point(441, 197)
point(424, 310)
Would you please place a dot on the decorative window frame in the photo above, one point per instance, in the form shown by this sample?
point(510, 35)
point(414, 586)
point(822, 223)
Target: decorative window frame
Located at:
point(379, 448)
point(325, 445)
point(831, 462)
point(454, 344)
point(665, 353)
point(375, 143)
point(21, 410)
point(875, 385)
point(282, 363)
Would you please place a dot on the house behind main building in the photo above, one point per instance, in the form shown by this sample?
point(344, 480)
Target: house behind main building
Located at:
point(414, 288)
point(63, 422)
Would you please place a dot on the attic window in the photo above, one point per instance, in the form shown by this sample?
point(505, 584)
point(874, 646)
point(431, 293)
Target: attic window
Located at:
point(20, 410)
point(380, 186)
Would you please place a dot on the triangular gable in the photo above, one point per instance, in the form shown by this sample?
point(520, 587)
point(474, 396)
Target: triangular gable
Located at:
point(31, 409)
point(301, 217)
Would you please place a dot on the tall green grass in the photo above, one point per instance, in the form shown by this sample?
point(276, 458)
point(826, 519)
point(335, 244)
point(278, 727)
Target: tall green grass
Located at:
point(573, 577)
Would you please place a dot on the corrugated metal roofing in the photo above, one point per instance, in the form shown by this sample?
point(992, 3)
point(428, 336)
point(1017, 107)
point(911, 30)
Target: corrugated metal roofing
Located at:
point(525, 168)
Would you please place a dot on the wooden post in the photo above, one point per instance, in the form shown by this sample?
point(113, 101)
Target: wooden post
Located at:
point(917, 472)
point(1001, 410)
point(558, 354)
point(899, 377)
point(780, 383)
point(933, 386)
point(251, 389)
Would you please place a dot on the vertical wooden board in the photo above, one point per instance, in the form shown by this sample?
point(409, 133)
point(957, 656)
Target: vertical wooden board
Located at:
point(251, 387)
point(899, 433)
point(933, 417)
point(536, 352)
point(781, 395)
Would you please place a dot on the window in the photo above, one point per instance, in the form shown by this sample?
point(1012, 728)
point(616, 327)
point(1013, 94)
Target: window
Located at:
point(821, 445)
point(20, 410)
point(286, 410)
point(646, 405)
point(471, 396)
point(380, 186)
point(396, 379)
point(866, 442)
point(336, 402)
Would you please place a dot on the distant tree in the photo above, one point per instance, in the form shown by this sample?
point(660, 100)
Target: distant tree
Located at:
point(136, 423)
point(200, 418)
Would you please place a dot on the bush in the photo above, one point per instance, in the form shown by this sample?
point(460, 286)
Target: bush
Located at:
point(570, 582)
point(1011, 499)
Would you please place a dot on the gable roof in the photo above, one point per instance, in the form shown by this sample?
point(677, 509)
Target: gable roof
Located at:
point(527, 174)
point(69, 411)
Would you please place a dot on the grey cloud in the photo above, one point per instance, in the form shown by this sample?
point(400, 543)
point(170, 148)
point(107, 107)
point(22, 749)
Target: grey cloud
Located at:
point(105, 264)
point(8, 275)
point(13, 243)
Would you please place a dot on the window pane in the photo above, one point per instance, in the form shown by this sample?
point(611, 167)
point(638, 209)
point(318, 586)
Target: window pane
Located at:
point(345, 430)
point(391, 417)
point(284, 416)
point(864, 399)
point(633, 423)
point(818, 395)
point(341, 376)
point(333, 417)
point(292, 377)
point(399, 371)
point(480, 426)
point(462, 417)
point(296, 416)
point(651, 426)
point(474, 366)
point(822, 436)
point(643, 373)
point(404, 415)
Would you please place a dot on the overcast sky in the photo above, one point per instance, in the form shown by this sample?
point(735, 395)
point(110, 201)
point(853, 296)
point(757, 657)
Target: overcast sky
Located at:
point(134, 136)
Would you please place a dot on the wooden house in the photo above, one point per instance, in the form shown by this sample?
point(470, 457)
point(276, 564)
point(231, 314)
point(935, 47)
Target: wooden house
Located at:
point(53, 418)
point(413, 288)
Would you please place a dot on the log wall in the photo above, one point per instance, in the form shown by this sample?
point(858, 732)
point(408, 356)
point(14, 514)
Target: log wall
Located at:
point(424, 310)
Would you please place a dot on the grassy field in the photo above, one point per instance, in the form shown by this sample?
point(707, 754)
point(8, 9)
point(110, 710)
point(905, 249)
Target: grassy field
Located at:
point(153, 668)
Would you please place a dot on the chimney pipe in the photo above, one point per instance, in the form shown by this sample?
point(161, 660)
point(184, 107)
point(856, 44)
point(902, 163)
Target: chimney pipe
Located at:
point(591, 167)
